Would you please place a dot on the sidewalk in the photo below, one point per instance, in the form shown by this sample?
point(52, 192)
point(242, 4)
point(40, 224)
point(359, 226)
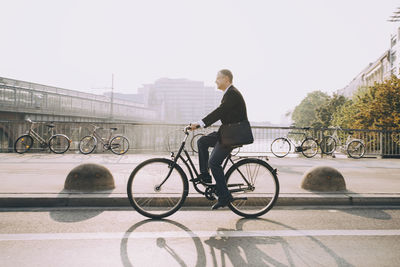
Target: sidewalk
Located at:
point(37, 180)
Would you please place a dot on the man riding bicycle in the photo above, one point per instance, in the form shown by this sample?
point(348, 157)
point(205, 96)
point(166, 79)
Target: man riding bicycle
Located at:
point(231, 110)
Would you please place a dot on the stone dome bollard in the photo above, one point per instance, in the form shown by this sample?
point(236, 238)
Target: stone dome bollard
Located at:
point(89, 177)
point(324, 179)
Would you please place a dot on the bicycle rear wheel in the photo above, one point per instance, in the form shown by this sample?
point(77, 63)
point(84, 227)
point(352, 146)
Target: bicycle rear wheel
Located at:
point(87, 144)
point(23, 144)
point(147, 196)
point(254, 186)
point(328, 145)
point(356, 149)
point(59, 143)
point(280, 147)
point(309, 147)
point(119, 145)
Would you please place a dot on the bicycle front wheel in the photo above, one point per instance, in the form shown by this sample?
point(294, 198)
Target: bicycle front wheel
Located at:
point(280, 147)
point(356, 149)
point(59, 143)
point(149, 196)
point(87, 144)
point(254, 186)
point(309, 147)
point(328, 145)
point(23, 144)
point(119, 145)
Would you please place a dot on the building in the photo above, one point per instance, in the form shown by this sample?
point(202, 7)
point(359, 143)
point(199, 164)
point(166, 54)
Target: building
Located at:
point(386, 65)
point(378, 71)
point(394, 53)
point(180, 100)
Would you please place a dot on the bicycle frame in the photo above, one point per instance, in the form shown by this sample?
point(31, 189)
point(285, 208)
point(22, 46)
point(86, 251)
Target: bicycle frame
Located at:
point(291, 142)
point(36, 136)
point(190, 166)
point(100, 138)
point(349, 138)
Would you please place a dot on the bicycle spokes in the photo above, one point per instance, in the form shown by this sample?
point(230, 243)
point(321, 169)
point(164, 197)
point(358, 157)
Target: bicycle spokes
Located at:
point(256, 194)
point(152, 193)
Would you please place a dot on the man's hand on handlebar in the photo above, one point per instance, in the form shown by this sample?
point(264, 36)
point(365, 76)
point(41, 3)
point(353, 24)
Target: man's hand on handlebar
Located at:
point(193, 127)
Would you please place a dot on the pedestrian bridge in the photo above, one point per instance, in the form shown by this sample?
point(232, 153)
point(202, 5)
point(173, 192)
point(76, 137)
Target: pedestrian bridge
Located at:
point(20, 99)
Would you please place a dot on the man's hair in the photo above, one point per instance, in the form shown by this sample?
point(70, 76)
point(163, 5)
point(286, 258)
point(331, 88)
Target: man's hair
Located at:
point(227, 73)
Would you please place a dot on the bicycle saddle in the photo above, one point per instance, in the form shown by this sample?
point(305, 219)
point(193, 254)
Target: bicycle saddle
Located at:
point(114, 129)
point(50, 125)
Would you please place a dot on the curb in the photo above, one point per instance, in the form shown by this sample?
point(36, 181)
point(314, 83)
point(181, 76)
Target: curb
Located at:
point(120, 200)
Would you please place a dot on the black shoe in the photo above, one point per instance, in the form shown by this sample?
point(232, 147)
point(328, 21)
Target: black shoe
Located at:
point(222, 202)
point(204, 177)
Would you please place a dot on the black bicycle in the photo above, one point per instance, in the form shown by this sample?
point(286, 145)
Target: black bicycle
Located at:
point(158, 187)
point(281, 146)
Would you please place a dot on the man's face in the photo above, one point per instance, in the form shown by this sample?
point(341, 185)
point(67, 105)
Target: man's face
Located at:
point(222, 81)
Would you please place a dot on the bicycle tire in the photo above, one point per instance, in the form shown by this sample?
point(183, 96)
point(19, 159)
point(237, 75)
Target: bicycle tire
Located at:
point(23, 144)
point(146, 198)
point(193, 142)
point(119, 145)
point(262, 196)
point(328, 145)
point(309, 147)
point(280, 147)
point(355, 149)
point(87, 144)
point(59, 143)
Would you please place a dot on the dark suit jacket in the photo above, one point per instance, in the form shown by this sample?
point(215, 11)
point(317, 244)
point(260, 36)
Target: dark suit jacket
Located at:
point(231, 110)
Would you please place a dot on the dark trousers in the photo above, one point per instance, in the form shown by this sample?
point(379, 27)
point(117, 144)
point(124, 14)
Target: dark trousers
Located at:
point(219, 153)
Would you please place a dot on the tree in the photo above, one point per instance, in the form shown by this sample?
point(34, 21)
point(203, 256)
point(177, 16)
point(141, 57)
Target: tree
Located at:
point(305, 113)
point(379, 106)
point(325, 113)
point(344, 115)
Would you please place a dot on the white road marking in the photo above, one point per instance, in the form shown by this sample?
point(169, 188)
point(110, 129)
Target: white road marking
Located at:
point(184, 234)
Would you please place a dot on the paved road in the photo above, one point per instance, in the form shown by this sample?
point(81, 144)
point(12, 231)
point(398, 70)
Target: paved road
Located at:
point(335, 236)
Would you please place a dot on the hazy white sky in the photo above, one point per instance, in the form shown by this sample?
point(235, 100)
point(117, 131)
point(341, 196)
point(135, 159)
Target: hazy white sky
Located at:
point(278, 51)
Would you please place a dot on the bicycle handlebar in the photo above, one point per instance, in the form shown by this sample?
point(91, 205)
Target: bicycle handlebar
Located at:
point(186, 129)
point(96, 127)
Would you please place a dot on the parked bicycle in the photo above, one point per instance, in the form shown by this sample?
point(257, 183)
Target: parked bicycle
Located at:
point(57, 143)
point(117, 144)
point(281, 146)
point(355, 148)
point(158, 187)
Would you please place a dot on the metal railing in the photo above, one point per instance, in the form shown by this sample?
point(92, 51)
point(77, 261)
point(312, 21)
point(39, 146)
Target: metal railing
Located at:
point(167, 137)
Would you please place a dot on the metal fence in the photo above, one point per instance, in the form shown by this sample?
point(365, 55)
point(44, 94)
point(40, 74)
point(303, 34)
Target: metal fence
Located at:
point(168, 137)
